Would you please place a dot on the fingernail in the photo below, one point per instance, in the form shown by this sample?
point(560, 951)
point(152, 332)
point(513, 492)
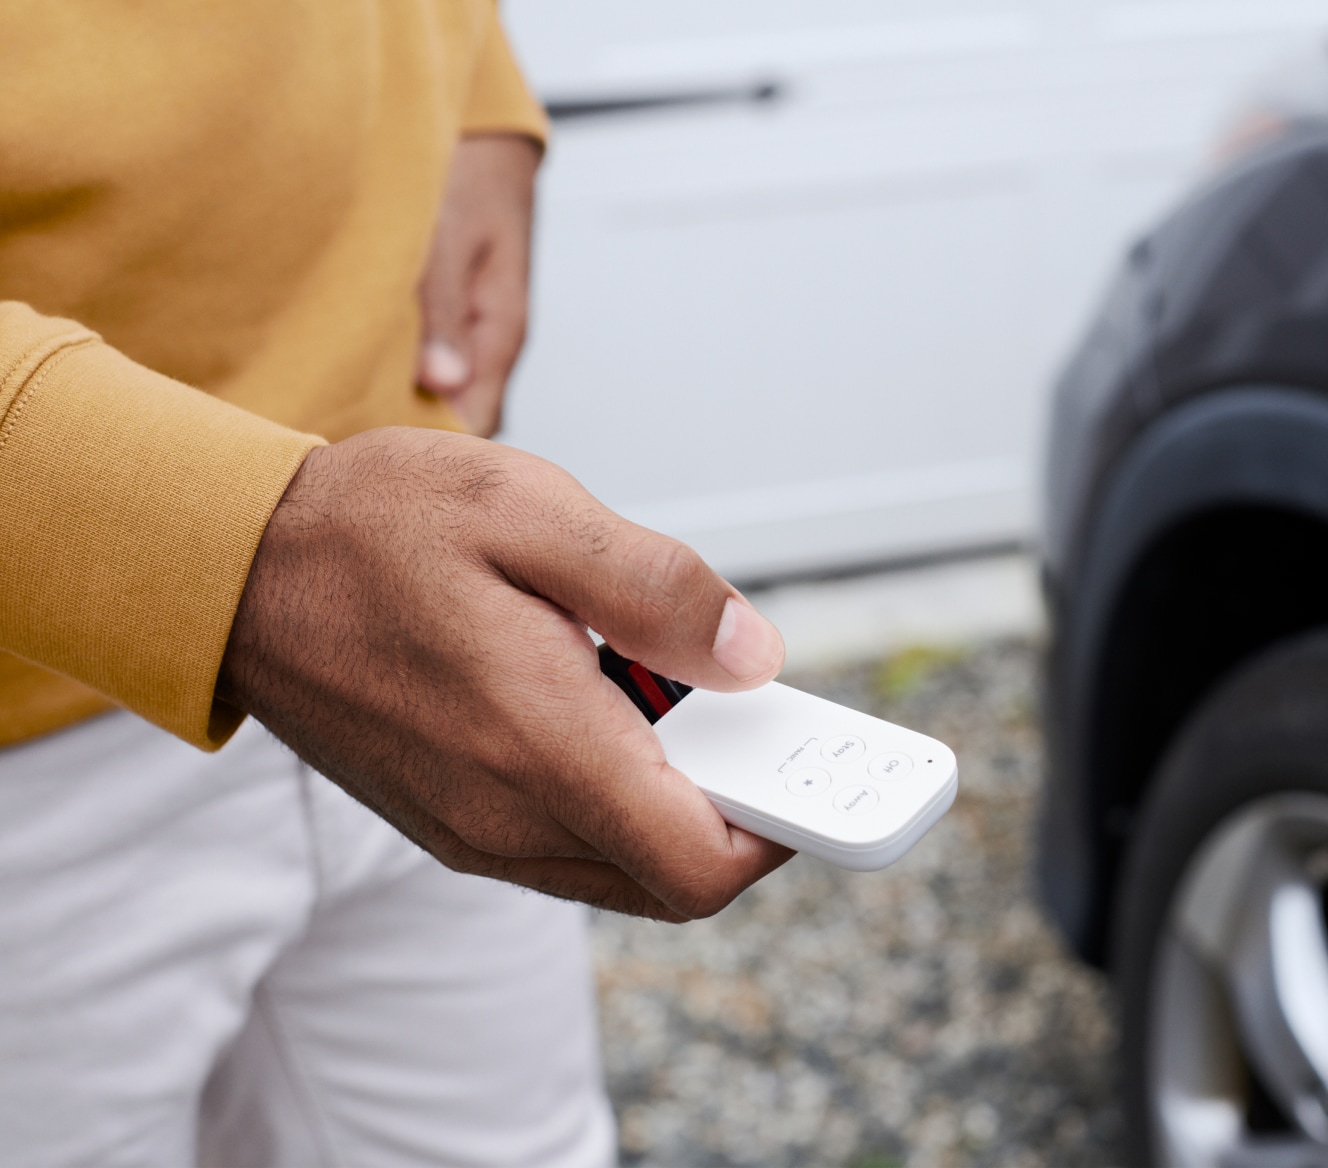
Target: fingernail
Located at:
point(746, 644)
point(443, 365)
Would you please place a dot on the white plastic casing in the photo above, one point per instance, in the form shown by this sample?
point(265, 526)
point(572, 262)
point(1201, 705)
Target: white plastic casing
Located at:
point(793, 768)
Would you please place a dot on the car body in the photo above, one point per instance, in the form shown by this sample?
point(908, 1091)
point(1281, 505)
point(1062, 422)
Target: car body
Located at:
point(1188, 496)
point(1186, 540)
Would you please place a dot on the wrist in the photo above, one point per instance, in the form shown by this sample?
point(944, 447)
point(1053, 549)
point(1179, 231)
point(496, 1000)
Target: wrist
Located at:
point(295, 524)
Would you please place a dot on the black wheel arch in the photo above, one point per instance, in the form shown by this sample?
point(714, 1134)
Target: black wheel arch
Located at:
point(1207, 543)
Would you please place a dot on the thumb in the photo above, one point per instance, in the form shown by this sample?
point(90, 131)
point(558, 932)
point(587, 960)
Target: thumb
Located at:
point(652, 598)
point(443, 367)
point(665, 607)
point(446, 363)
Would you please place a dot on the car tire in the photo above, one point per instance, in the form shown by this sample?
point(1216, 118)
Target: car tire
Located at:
point(1219, 944)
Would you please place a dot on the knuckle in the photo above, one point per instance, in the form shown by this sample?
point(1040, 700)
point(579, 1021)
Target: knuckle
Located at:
point(698, 904)
point(668, 579)
point(487, 831)
point(671, 569)
point(702, 895)
point(670, 573)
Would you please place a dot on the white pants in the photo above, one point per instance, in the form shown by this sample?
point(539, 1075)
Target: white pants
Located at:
point(225, 959)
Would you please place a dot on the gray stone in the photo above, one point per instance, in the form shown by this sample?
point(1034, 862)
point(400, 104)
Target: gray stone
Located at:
point(922, 1016)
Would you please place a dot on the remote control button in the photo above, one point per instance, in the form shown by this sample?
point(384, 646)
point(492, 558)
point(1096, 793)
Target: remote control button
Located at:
point(808, 782)
point(843, 748)
point(890, 766)
point(856, 800)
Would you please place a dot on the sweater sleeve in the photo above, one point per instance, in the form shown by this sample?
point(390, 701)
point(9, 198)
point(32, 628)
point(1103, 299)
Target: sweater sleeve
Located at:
point(499, 100)
point(130, 509)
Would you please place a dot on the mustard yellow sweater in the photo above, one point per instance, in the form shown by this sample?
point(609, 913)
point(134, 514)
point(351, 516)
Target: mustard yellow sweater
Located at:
point(230, 195)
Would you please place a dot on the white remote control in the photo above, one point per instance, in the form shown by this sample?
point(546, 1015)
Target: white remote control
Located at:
point(800, 770)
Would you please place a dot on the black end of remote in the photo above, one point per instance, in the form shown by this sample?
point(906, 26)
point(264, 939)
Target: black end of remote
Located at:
point(652, 694)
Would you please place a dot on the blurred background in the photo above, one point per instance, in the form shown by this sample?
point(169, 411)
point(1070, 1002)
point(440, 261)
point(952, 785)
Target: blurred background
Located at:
point(806, 277)
point(806, 270)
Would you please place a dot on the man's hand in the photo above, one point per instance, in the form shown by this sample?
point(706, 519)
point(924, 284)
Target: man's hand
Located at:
point(474, 291)
point(414, 627)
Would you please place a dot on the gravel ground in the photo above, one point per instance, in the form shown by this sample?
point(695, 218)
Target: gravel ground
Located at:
point(922, 1016)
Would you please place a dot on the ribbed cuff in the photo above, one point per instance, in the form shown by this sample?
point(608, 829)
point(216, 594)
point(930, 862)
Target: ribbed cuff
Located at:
point(130, 510)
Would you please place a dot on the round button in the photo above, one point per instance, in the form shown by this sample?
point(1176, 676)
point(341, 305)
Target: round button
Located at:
point(890, 766)
point(808, 782)
point(843, 748)
point(856, 800)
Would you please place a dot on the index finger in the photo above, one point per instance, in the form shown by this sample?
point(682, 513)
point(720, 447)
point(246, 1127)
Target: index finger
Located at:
point(649, 819)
